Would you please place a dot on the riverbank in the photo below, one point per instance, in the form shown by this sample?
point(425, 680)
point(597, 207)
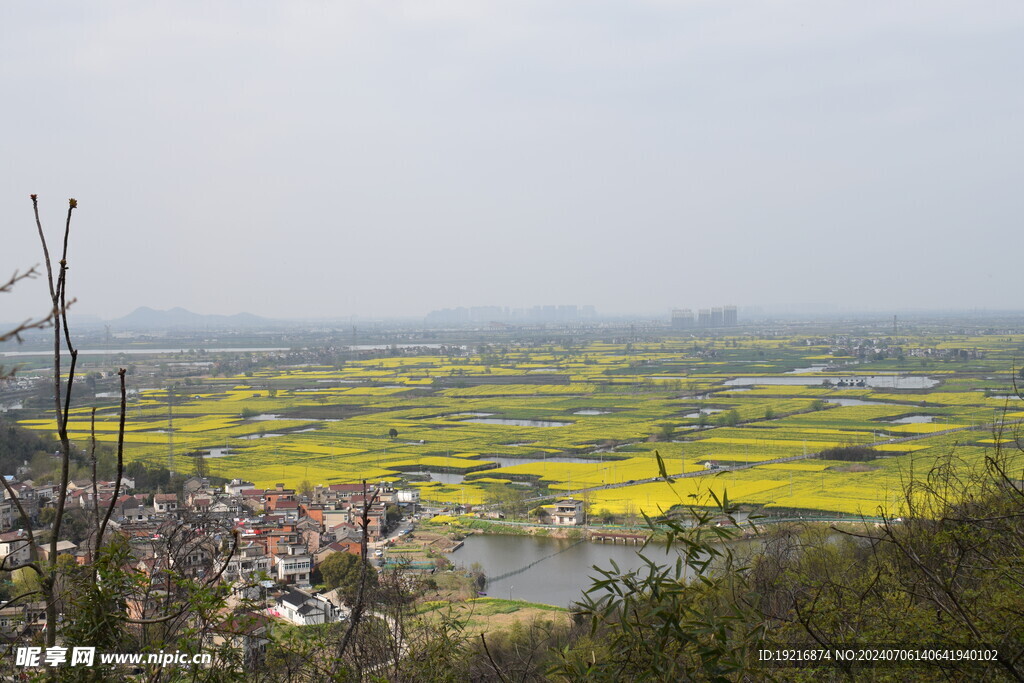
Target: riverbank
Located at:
point(458, 528)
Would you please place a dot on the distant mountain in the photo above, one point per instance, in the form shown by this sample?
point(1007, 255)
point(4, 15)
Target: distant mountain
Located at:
point(149, 318)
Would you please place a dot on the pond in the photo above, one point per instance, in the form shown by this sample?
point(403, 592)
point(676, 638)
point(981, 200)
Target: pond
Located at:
point(502, 461)
point(704, 411)
point(801, 371)
point(914, 419)
point(519, 423)
point(446, 477)
point(590, 411)
point(545, 570)
point(505, 461)
point(858, 402)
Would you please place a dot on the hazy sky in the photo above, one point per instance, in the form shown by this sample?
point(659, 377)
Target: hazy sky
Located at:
point(386, 158)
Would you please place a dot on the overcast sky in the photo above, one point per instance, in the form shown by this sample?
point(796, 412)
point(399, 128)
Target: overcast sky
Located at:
point(296, 159)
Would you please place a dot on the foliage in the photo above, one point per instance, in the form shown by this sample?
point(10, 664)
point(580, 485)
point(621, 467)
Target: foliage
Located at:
point(342, 571)
point(683, 620)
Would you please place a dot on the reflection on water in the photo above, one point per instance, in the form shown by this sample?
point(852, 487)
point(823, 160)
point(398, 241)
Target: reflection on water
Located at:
point(446, 477)
point(877, 381)
point(803, 371)
point(505, 461)
point(554, 571)
point(519, 423)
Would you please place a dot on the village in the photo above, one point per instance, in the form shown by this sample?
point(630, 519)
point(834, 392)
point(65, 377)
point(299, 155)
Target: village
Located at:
point(265, 545)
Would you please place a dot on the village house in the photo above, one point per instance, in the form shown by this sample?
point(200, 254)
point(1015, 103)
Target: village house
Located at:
point(311, 532)
point(196, 484)
point(305, 609)
point(245, 633)
point(165, 503)
point(248, 563)
point(8, 513)
point(347, 541)
point(566, 512)
point(279, 492)
point(14, 619)
point(132, 509)
point(63, 548)
point(236, 486)
point(14, 549)
point(294, 567)
point(287, 509)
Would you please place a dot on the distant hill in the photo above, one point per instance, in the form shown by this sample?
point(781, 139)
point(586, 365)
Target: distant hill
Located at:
point(149, 318)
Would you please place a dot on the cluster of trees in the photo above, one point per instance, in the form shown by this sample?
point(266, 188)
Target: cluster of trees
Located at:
point(20, 446)
point(850, 453)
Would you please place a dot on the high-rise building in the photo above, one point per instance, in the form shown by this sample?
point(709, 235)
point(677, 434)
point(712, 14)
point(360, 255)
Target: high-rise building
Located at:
point(716, 317)
point(682, 318)
point(704, 317)
point(730, 319)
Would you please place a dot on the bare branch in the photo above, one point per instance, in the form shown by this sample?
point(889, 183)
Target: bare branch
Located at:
point(187, 606)
point(25, 519)
point(357, 609)
point(92, 459)
point(17, 277)
point(19, 597)
point(490, 659)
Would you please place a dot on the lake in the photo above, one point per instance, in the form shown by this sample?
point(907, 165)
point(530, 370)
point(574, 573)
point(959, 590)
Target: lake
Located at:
point(547, 570)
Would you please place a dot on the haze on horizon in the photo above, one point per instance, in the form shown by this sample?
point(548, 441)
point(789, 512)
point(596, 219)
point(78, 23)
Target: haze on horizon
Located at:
point(331, 159)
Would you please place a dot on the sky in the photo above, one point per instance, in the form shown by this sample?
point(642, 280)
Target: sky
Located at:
point(327, 159)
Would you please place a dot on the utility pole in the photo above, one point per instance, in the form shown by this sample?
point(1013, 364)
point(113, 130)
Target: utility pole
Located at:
point(170, 428)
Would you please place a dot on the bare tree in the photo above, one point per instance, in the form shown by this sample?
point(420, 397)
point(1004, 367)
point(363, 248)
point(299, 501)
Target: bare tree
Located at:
point(47, 572)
